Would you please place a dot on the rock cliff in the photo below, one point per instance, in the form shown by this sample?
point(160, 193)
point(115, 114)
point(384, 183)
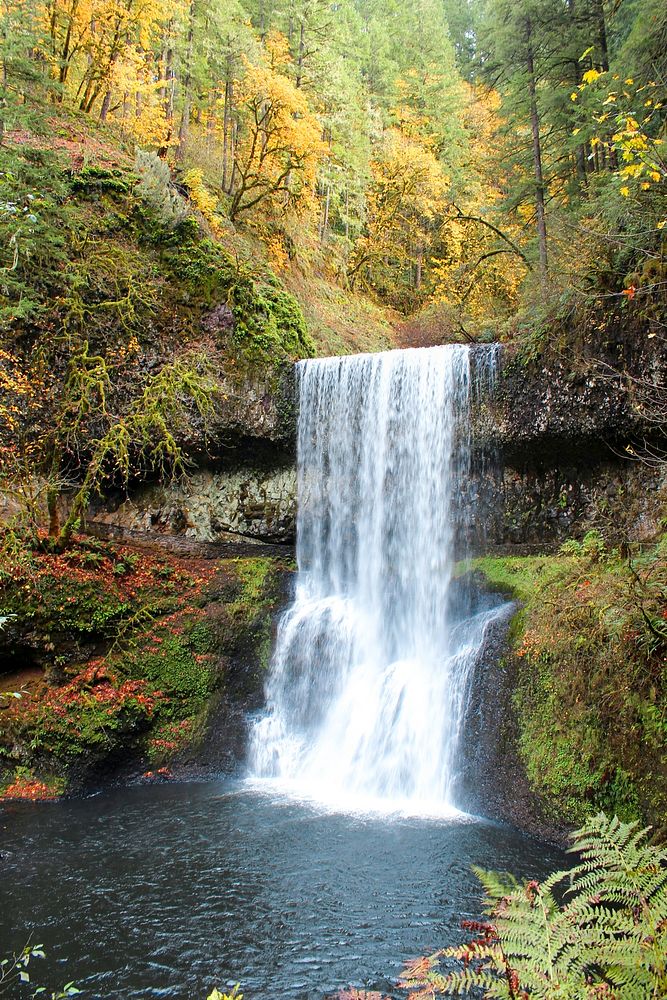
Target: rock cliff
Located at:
point(557, 452)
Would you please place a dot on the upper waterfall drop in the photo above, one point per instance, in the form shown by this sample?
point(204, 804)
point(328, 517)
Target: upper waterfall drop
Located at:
point(368, 683)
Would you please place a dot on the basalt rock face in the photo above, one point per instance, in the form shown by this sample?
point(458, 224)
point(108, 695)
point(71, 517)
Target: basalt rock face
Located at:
point(551, 462)
point(560, 452)
point(534, 412)
point(252, 500)
point(243, 484)
point(255, 411)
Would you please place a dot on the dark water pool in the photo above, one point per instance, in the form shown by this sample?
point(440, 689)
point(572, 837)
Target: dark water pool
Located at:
point(164, 891)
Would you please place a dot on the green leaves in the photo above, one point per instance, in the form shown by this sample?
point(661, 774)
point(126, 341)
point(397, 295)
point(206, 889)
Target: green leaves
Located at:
point(608, 938)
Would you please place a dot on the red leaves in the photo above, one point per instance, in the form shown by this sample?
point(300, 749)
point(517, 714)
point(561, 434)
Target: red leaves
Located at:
point(160, 774)
point(95, 686)
point(27, 788)
point(114, 572)
point(172, 737)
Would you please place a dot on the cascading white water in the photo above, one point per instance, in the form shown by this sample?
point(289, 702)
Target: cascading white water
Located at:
point(368, 682)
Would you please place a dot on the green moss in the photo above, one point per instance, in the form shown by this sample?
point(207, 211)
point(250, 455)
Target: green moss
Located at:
point(289, 322)
point(177, 660)
point(523, 577)
point(97, 180)
point(268, 322)
point(591, 684)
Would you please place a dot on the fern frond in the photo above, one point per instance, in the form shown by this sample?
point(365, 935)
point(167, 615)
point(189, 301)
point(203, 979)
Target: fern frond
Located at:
point(608, 939)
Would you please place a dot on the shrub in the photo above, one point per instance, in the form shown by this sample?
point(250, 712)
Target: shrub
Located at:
point(156, 189)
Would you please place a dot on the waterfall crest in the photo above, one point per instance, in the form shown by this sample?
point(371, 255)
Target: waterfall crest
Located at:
point(369, 678)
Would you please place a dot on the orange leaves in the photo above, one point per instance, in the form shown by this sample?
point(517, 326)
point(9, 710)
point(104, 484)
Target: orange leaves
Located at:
point(417, 968)
point(28, 788)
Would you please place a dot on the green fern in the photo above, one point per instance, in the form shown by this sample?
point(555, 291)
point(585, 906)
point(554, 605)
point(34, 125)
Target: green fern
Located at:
point(607, 940)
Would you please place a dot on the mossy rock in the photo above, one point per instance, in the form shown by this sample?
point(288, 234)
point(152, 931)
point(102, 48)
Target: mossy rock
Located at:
point(268, 322)
point(103, 180)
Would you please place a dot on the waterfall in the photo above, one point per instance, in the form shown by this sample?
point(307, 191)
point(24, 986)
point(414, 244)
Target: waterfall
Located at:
point(368, 683)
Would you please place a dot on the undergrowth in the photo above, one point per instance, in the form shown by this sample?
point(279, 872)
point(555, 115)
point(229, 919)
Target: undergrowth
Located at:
point(589, 648)
point(595, 932)
point(121, 663)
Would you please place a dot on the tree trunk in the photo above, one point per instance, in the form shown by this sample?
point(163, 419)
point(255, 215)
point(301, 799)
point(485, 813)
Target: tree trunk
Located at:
point(537, 152)
point(325, 216)
point(418, 268)
point(601, 27)
point(169, 79)
point(52, 507)
point(300, 54)
point(104, 110)
point(227, 146)
point(187, 85)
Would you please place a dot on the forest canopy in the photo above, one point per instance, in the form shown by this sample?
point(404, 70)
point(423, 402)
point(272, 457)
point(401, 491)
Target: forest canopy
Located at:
point(476, 154)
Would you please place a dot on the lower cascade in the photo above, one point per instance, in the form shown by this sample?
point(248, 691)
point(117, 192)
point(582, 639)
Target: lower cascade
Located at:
point(370, 677)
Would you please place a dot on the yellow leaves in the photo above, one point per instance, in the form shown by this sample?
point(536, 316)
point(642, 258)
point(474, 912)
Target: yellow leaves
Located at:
point(278, 50)
point(655, 176)
point(591, 75)
point(576, 131)
point(280, 140)
point(661, 224)
point(200, 196)
point(277, 251)
point(611, 99)
point(408, 195)
point(625, 191)
point(629, 81)
point(574, 95)
point(632, 170)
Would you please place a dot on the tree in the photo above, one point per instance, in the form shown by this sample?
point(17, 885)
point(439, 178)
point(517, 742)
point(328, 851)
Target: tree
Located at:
point(407, 196)
point(279, 143)
point(518, 53)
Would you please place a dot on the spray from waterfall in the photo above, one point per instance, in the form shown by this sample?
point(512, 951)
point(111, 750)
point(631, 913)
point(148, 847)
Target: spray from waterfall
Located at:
point(369, 680)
